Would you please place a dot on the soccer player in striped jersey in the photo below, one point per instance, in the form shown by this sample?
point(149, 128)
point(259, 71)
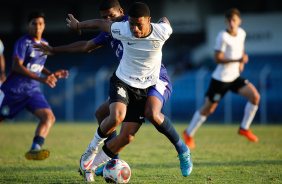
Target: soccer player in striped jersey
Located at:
point(230, 58)
point(21, 88)
point(158, 94)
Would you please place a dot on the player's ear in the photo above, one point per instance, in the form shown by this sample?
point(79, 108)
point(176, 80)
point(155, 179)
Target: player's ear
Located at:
point(121, 11)
point(149, 19)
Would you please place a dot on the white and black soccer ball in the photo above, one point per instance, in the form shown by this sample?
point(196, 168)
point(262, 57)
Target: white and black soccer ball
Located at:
point(116, 171)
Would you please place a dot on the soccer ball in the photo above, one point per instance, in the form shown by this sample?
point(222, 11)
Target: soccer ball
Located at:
point(116, 171)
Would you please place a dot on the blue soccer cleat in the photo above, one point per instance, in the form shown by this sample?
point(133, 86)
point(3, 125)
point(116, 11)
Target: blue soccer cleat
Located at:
point(186, 164)
point(99, 171)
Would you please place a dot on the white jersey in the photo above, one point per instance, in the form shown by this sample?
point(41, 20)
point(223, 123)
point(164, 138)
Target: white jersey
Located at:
point(232, 47)
point(141, 61)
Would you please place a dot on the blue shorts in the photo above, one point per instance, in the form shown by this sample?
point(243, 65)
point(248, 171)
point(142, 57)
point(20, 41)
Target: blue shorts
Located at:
point(12, 104)
point(162, 90)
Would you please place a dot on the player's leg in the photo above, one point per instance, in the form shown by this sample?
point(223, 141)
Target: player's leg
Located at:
point(41, 109)
point(113, 147)
point(250, 92)
point(101, 113)
point(118, 101)
point(214, 94)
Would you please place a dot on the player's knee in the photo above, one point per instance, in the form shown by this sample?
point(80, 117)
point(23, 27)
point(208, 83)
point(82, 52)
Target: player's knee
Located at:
point(256, 99)
point(152, 116)
point(117, 119)
point(127, 138)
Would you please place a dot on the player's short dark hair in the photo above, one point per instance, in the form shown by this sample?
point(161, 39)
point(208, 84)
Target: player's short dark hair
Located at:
point(108, 4)
point(34, 15)
point(233, 11)
point(138, 9)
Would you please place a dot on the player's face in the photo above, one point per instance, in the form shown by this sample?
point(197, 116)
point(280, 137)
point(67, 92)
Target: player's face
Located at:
point(112, 14)
point(36, 27)
point(232, 24)
point(140, 27)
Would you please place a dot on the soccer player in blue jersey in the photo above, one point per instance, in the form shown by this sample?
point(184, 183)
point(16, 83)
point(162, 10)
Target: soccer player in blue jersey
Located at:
point(158, 94)
point(21, 88)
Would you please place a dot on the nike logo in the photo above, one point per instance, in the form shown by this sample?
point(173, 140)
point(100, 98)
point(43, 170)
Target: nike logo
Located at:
point(87, 166)
point(141, 117)
point(130, 43)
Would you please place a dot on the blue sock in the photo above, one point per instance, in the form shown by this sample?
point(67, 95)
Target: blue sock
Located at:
point(38, 141)
point(169, 131)
point(111, 136)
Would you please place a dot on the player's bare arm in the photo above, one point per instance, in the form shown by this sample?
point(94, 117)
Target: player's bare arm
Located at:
point(58, 74)
point(21, 69)
point(163, 19)
point(219, 58)
point(2, 68)
point(76, 47)
point(74, 24)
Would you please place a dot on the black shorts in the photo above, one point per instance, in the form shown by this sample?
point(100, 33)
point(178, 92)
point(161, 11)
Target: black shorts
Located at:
point(133, 98)
point(218, 89)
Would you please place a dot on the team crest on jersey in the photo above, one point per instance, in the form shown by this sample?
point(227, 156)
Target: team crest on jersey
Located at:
point(156, 45)
point(5, 110)
point(121, 92)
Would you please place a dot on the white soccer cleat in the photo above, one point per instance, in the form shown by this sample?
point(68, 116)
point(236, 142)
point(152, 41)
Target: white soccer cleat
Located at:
point(87, 158)
point(89, 175)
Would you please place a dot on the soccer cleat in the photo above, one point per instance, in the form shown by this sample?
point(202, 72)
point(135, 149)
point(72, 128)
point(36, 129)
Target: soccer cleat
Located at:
point(189, 140)
point(186, 164)
point(99, 171)
point(35, 154)
point(87, 158)
point(87, 175)
point(248, 133)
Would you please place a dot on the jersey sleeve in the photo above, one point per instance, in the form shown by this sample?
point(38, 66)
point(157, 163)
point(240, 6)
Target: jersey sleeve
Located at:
point(220, 45)
point(100, 39)
point(19, 50)
point(165, 29)
point(1, 47)
point(118, 29)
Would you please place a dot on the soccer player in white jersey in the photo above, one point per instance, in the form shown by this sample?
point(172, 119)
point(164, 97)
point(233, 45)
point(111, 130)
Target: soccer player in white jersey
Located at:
point(138, 70)
point(157, 95)
point(230, 58)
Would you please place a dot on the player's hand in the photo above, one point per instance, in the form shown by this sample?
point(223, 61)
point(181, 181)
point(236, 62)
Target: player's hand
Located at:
point(73, 23)
point(241, 67)
point(46, 49)
point(245, 58)
point(49, 80)
point(61, 74)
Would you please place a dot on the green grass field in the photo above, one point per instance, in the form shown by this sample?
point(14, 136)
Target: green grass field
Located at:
point(220, 156)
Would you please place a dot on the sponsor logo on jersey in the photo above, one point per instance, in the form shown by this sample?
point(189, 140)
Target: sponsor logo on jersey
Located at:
point(121, 92)
point(36, 68)
point(142, 79)
point(128, 43)
point(116, 31)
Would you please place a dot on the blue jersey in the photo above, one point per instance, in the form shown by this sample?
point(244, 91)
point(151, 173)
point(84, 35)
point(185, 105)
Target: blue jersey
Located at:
point(17, 83)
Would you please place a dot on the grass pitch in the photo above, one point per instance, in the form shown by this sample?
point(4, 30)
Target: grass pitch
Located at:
point(220, 155)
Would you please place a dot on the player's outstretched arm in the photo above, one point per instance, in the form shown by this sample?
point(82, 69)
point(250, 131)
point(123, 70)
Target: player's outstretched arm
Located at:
point(21, 69)
point(76, 47)
point(74, 24)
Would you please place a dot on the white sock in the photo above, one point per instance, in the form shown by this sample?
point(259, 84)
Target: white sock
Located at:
point(97, 141)
point(100, 159)
point(250, 112)
point(195, 123)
